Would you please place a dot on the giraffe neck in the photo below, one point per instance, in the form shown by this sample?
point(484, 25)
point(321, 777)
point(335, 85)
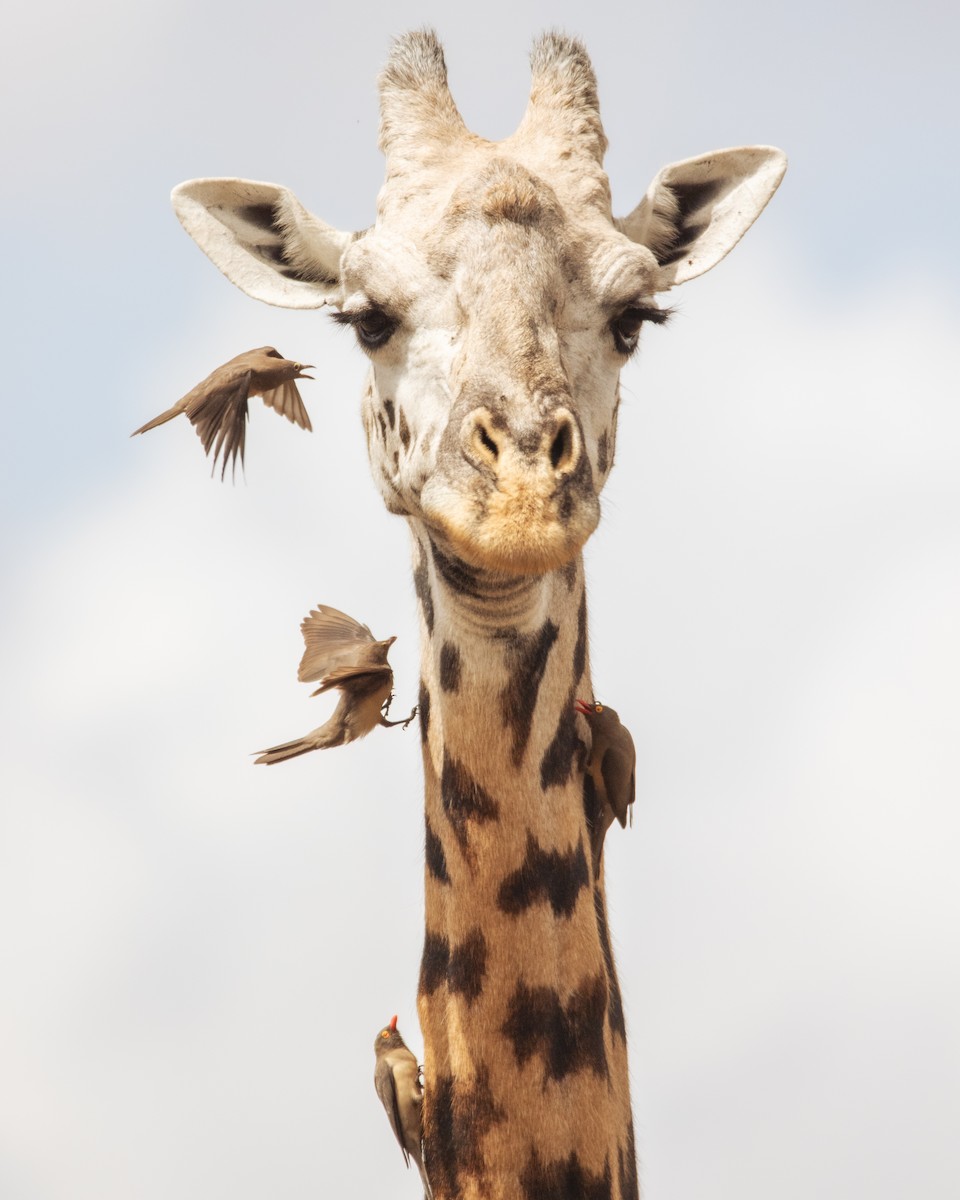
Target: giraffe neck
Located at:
point(525, 1054)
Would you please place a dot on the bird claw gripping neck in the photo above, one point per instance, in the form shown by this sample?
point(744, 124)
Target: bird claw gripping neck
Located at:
point(405, 723)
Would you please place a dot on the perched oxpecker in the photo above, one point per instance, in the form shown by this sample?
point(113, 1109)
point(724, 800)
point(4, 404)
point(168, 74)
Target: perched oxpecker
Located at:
point(397, 1080)
point(218, 407)
point(342, 653)
point(612, 767)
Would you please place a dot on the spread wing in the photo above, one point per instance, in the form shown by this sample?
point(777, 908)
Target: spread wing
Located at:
point(618, 769)
point(332, 640)
point(387, 1091)
point(286, 400)
point(219, 416)
point(363, 678)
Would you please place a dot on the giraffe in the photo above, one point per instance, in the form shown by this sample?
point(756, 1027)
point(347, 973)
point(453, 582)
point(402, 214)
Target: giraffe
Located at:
point(497, 299)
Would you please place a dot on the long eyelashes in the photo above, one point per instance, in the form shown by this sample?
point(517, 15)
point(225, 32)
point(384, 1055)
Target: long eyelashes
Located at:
point(372, 325)
point(627, 324)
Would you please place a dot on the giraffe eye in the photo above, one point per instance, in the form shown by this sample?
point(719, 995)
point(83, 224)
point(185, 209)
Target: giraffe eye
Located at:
point(374, 328)
point(372, 325)
point(625, 327)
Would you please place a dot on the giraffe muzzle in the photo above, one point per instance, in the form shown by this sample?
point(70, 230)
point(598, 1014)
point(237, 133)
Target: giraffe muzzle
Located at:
point(541, 455)
point(515, 492)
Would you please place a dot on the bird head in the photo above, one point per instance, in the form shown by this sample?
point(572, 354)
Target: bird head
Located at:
point(596, 713)
point(383, 649)
point(389, 1037)
point(286, 366)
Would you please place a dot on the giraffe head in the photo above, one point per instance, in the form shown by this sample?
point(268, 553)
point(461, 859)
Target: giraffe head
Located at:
point(496, 296)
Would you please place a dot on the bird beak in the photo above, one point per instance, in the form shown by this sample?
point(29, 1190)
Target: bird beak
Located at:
point(583, 707)
point(393, 1023)
point(306, 367)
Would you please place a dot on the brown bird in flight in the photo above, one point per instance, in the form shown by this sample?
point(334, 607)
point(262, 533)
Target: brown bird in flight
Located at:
point(397, 1080)
point(343, 654)
point(218, 407)
point(612, 766)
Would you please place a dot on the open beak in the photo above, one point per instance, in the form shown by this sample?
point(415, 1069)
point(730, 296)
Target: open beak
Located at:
point(306, 367)
point(583, 707)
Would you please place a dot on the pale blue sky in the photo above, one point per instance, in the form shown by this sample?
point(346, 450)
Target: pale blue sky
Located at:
point(197, 953)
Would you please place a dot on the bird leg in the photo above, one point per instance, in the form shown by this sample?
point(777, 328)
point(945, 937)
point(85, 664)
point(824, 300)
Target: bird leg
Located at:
point(390, 724)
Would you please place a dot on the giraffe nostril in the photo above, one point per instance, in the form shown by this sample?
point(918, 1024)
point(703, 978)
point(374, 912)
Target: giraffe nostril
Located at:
point(479, 439)
point(563, 448)
point(560, 446)
point(487, 442)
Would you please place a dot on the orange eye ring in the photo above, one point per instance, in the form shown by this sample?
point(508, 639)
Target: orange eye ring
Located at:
point(598, 708)
point(384, 1033)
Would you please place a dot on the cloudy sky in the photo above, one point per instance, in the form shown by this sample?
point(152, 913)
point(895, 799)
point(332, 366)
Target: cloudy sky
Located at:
point(196, 953)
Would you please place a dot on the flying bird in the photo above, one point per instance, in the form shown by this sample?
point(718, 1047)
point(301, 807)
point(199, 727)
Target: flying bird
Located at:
point(342, 653)
point(397, 1080)
point(218, 407)
point(612, 766)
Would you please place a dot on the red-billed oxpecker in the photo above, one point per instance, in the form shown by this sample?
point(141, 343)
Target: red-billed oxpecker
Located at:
point(397, 1080)
point(612, 770)
point(218, 407)
point(342, 653)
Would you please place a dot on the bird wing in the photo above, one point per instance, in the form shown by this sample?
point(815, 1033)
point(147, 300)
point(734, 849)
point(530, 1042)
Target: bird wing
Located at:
point(387, 1091)
point(286, 400)
point(332, 625)
point(219, 416)
point(364, 677)
point(618, 769)
point(332, 639)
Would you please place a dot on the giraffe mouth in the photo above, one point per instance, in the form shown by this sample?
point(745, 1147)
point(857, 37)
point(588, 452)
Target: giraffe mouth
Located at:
point(516, 528)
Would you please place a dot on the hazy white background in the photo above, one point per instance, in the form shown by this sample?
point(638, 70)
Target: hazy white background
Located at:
point(196, 953)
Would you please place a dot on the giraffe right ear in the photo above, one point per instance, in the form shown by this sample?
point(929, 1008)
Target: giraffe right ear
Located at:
point(264, 240)
point(696, 211)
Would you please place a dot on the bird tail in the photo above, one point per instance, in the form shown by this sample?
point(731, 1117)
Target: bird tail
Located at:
point(287, 750)
point(427, 1189)
point(161, 420)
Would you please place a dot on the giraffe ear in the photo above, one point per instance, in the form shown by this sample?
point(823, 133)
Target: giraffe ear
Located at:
point(696, 211)
point(264, 240)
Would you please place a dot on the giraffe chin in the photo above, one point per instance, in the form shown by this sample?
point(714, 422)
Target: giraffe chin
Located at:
point(510, 541)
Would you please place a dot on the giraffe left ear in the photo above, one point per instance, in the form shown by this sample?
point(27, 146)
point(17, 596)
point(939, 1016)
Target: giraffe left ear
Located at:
point(696, 211)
